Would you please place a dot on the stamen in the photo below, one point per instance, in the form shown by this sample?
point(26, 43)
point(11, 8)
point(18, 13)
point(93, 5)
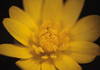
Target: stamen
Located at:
point(53, 56)
point(48, 38)
point(38, 50)
point(44, 57)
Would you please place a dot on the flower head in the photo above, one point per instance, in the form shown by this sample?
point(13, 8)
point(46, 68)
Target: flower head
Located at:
point(51, 36)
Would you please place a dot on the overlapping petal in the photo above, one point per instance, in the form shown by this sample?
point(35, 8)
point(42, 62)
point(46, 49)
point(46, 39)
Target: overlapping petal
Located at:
point(34, 8)
point(87, 29)
point(65, 62)
point(82, 58)
point(72, 10)
point(52, 10)
point(19, 31)
point(28, 64)
point(47, 66)
point(14, 51)
point(22, 17)
point(84, 52)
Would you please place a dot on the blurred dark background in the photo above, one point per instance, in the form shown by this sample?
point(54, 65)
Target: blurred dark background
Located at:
point(7, 63)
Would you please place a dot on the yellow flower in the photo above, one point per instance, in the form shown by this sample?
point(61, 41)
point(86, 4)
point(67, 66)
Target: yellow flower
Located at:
point(51, 36)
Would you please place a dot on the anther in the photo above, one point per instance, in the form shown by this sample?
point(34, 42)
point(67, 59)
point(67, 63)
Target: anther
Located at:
point(38, 50)
point(44, 57)
point(53, 56)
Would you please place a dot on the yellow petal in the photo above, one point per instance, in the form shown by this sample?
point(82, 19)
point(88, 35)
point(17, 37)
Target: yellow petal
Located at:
point(14, 51)
point(48, 66)
point(19, 31)
point(87, 29)
point(28, 64)
point(19, 15)
point(33, 8)
point(52, 10)
point(72, 11)
point(85, 47)
point(84, 52)
point(65, 62)
point(82, 58)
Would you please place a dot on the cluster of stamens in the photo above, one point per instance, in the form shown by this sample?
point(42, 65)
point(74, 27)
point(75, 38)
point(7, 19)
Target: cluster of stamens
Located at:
point(48, 40)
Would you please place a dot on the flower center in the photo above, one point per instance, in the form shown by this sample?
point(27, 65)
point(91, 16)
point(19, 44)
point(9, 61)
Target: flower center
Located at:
point(48, 37)
point(51, 41)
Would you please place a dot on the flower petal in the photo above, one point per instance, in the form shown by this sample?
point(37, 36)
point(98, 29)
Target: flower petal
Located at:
point(65, 62)
point(19, 15)
point(28, 64)
point(33, 8)
point(82, 58)
point(14, 51)
point(52, 10)
point(18, 31)
point(72, 11)
point(84, 52)
point(87, 29)
point(47, 66)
